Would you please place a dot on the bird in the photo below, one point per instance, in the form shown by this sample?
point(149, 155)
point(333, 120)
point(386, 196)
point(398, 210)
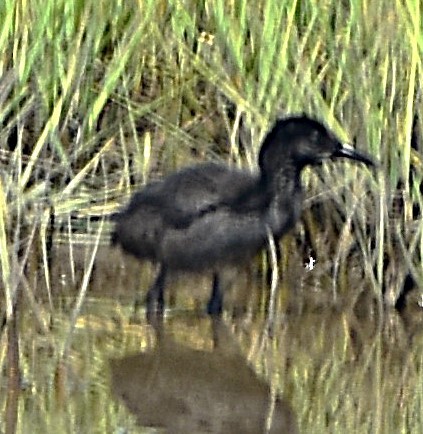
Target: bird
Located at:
point(205, 217)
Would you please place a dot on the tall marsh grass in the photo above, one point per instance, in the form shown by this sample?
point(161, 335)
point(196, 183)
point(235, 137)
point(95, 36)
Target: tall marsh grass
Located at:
point(98, 97)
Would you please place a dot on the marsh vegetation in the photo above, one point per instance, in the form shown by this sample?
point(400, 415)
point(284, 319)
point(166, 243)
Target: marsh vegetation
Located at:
point(99, 98)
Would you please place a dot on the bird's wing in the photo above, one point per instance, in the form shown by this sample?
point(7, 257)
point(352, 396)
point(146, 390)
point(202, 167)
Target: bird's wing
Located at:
point(193, 192)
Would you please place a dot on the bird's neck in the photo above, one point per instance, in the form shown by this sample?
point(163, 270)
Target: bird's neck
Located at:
point(283, 183)
point(286, 192)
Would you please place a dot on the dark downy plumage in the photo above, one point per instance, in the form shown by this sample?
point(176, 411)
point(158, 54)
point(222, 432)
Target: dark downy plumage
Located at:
point(207, 216)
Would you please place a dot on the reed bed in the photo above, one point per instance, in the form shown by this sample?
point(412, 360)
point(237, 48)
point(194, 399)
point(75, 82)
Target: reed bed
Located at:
point(97, 98)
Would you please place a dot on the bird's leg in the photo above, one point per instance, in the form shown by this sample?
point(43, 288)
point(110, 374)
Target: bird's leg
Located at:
point(155, 295)
point(214, 306)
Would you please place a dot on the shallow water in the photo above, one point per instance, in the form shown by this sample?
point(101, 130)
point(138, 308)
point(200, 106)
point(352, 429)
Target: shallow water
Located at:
point(323, 369)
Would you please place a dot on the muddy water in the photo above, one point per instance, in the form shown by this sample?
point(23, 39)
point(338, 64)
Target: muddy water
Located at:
point(324, 368)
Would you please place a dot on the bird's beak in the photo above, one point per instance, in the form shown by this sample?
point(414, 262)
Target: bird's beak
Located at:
point(347, 151)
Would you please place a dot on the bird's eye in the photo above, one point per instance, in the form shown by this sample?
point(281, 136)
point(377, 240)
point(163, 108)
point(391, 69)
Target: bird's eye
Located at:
point(315, 136)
